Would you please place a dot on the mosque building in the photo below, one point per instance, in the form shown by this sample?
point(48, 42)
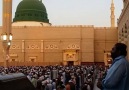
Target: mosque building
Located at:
point(123, 25)
point(37, 42)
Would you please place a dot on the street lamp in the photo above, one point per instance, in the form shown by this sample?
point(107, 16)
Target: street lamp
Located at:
point(6, 38)
point(6, 41)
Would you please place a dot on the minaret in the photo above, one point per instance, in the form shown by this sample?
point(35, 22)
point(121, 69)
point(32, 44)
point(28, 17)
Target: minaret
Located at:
point(6, 35)
point(112, 14)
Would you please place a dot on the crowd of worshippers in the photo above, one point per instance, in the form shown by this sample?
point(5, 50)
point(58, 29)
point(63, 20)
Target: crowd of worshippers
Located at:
point(59, 77)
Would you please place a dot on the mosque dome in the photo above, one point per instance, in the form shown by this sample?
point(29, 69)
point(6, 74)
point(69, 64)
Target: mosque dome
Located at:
point(31, 10)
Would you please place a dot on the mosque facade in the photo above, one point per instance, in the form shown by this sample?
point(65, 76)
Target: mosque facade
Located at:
point(123, 25)
point(37, 42)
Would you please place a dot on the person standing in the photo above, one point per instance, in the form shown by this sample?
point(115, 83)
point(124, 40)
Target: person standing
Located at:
point(117, 77)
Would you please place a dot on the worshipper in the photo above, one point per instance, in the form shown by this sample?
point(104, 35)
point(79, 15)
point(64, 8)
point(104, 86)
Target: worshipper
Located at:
point(89, 82)
point(39, 83)
point(67, 86)
point(117, 77)
point(67, 75)
point(72, 84)
point(54, 84)
point(85, 87)
point(61, 86)
point(54, 73)
point(49, 85)
point(34, 80)
point(77, 81)
point(29, 76)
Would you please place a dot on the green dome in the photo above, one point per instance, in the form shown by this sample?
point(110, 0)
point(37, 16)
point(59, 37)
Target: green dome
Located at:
point(31, 10)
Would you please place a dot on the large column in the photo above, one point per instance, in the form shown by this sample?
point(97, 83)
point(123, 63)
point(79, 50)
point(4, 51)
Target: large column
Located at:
point(6, 29)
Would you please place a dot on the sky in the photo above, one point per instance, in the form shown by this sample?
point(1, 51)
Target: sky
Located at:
point(76, 12)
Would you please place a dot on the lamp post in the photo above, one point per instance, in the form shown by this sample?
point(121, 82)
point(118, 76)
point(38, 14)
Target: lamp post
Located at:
point(6, 41)
point(6, 35)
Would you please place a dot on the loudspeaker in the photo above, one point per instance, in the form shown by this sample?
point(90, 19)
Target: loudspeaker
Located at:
point(17, 81)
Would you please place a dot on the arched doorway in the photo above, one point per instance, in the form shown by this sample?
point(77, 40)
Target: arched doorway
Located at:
point(70, 57)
